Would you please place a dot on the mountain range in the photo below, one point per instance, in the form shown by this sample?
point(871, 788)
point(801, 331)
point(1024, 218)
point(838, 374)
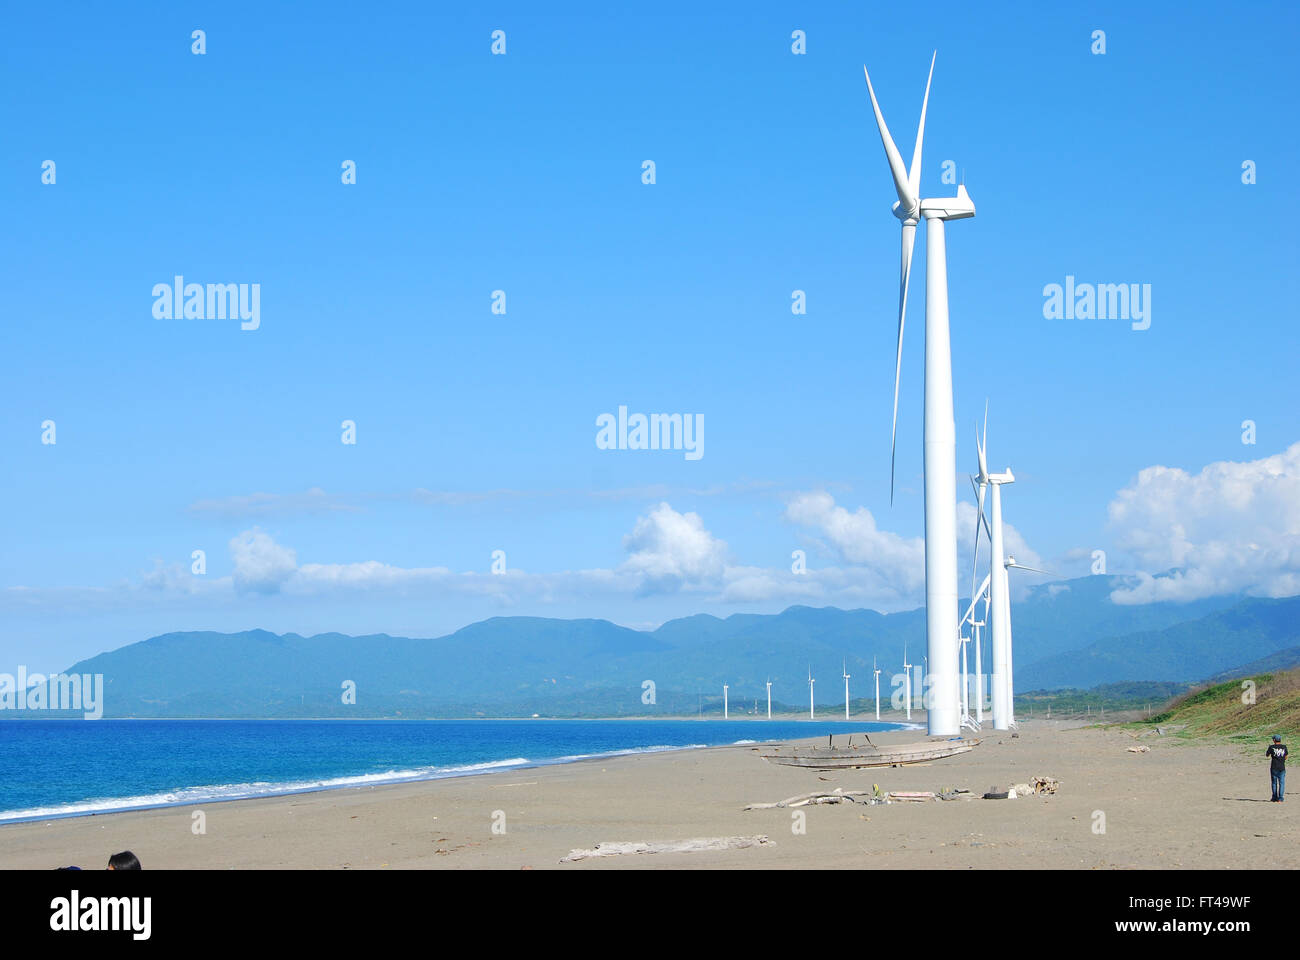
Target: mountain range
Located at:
point(1066, 634)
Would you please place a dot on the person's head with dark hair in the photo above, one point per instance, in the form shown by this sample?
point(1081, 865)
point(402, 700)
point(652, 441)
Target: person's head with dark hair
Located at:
point(126, 860)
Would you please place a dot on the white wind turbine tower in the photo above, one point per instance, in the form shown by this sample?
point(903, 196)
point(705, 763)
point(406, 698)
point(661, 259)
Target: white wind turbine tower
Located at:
point(769, 699)
point(940, 441)
point(876, 670)
point(969, 617)
point(907, 683)
point(811, 681)
point(725, 715)
point(998, 605)
point(844, 668)
point(965, 685)
point(979, 649)
point(1010, 564)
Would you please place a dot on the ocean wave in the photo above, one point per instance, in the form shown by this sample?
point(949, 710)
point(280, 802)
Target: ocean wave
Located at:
point(216, 793)
point(623, 753)
point(211, 793)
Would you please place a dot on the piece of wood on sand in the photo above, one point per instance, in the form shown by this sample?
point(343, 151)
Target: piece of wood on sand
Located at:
point(838, 795)
point(693, 845)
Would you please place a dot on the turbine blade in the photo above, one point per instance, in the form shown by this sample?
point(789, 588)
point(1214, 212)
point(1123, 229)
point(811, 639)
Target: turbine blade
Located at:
point(901, 184)
point(914, 173)
point(1021, 566)
point(905, 271)
point(984, 440)
point(980, 518)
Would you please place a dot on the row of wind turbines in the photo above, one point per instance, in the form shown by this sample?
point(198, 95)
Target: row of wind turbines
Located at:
point(812, 706)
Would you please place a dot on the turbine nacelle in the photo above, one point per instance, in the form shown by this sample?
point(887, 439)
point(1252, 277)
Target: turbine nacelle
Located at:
point(948, 208)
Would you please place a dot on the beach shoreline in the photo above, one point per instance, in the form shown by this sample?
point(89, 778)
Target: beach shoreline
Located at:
point(416, 770)
point(1180, 804)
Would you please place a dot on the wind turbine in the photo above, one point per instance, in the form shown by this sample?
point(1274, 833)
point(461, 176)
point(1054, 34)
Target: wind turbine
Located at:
point(907, 680)
point(1011, 564)
point(876, 670)
point(969, 617)
point(965, 685)
point(940, 439)
point(845, 669)
point(979, 652)
point(811, 681)
point(998, 605)
point(725, 715)
point(769, 699)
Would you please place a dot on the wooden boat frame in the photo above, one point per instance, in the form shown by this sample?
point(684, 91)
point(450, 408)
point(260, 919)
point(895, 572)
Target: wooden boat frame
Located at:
point(869, 755)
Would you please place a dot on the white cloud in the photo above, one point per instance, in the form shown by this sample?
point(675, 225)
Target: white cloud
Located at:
point(667, 551)
point(1013, 543)
point(888, 571)
point(670, 548)
point(1233, 527)
point(261, 505)
point(314, 500)
point(260, 564)
point(895, 564)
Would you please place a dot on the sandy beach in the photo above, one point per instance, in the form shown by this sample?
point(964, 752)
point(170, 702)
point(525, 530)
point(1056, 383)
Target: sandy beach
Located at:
point(1182, 804)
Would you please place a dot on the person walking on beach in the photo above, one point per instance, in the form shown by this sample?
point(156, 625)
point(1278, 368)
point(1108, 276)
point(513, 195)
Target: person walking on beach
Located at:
point(1277, 754)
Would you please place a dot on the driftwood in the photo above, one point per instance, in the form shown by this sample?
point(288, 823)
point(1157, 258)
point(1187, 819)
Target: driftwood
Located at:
point(694, 845)
point(1143, 748)
point(1035, 787)
point(956, 793)
point(838, 795)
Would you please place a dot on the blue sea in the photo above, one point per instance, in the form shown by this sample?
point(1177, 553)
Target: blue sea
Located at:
point(61, 768)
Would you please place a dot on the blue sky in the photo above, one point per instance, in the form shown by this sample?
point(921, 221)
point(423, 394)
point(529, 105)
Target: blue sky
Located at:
point(522, 172)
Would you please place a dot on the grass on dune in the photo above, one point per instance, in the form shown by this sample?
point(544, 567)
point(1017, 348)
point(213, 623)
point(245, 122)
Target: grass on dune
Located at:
point(1227, 710)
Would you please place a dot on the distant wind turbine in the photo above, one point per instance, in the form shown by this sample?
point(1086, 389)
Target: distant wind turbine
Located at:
point(845, 668)
point(769, 699)
point(876, 670)
point(811, 681)
point(1011, 564)
point(725, 715)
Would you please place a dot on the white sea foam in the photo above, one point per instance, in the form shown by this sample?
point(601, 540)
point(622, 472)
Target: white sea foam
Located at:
point(623, 753)
point(244, 791)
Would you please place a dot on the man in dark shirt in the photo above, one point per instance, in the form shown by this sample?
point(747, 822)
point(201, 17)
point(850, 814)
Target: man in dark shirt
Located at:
point(1277, 754)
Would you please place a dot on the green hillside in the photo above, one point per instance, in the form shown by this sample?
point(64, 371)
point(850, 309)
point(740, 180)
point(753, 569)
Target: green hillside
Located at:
point(1219, 710)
